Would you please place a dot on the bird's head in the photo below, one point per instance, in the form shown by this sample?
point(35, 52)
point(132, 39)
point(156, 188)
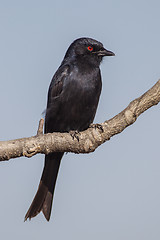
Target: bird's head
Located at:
point(87, 50)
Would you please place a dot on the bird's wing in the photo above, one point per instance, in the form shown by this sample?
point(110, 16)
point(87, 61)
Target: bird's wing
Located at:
point(57, 82)
point(54, 99)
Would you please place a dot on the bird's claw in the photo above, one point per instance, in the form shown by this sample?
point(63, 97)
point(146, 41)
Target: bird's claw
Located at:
point(74, 135)
point(97, 126)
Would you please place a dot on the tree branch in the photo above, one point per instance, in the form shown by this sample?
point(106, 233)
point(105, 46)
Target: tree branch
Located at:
point(86, 141)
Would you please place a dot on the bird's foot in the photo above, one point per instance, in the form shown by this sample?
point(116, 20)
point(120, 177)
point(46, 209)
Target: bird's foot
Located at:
point(96, 126)
point(74, 135)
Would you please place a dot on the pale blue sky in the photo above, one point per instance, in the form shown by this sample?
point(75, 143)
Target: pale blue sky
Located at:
point(114, 192)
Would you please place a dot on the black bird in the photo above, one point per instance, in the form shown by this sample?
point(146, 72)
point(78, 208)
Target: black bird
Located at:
point(72, 102)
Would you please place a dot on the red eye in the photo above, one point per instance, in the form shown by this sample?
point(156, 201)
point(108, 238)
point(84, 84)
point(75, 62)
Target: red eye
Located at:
point(90, 48)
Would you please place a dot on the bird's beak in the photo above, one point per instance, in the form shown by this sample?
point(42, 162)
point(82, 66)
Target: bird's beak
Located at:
point(105, 52)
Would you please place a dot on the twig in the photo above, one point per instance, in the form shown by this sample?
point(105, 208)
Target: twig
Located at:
point(40, 127)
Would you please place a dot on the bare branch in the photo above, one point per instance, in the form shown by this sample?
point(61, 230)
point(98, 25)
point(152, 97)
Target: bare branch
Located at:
point(88, 140)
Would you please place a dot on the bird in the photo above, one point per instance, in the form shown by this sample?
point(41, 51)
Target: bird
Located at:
point(73, 98)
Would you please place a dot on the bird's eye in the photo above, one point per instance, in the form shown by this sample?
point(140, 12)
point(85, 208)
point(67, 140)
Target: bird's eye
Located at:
point(90, 48)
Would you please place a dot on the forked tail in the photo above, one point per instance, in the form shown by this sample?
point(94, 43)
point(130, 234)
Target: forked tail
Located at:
point(44, 196)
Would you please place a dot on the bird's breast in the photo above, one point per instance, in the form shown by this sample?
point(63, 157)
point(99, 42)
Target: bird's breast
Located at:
point(80, 100)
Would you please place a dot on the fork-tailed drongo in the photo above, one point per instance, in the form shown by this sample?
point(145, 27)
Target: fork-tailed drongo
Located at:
point(72, 102)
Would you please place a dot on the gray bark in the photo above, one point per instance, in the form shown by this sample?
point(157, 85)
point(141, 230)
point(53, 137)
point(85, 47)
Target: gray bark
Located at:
point(83, 142)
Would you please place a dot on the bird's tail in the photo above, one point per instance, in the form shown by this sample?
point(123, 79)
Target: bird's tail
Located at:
point(44, 196)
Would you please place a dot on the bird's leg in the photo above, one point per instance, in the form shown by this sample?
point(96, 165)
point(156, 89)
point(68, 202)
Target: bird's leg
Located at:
point(74, 134)
point(96, 126)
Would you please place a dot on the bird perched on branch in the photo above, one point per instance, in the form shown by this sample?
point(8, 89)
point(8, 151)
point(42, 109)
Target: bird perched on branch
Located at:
point(72, 102)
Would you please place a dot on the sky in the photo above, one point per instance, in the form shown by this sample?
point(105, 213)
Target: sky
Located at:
point(114, 192)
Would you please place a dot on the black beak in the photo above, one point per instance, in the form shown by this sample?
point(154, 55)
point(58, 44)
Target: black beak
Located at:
point(105, 52)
